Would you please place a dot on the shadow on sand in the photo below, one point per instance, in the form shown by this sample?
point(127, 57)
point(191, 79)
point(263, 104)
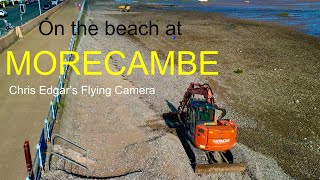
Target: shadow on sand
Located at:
point(172, 121)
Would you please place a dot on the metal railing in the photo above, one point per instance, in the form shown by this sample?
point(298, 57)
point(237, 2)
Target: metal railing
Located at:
point(46, 133)
point(2, 32)
point(64, 157)
point(68, 159)
point(70, 142)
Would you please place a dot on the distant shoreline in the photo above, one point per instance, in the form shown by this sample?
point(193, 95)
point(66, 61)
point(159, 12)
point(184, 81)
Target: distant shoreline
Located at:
point(256, 22)
point(171, 8)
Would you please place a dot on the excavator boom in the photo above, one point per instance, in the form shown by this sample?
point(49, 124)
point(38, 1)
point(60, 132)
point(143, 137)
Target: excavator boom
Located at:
point(199, 89)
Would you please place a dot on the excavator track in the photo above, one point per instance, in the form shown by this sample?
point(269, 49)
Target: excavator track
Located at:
point(219, 162)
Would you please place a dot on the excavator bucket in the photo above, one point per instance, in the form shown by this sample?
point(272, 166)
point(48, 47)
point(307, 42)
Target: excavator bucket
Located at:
point(172, 116)
point(216, 168)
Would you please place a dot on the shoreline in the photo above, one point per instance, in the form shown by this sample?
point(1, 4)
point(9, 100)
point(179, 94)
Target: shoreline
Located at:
point(285, 16)
point(268, 24)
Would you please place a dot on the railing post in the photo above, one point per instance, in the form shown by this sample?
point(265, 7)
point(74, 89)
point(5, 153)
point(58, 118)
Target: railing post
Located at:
point(40, 157)
point(60, 82)
point(27, 155)
point(46, 127)
point(58, 98)
point(67, 56)
point(65, 71)
point(52, 110)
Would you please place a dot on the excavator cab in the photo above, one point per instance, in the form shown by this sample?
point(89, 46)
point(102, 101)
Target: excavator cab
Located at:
point(206, 113)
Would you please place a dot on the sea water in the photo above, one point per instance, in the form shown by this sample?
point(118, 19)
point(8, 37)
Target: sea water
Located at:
point(304, 15)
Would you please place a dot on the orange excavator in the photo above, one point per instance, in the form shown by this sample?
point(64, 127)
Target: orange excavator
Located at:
point(210, 138)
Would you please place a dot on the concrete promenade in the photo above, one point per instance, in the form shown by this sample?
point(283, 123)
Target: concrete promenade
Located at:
point(22, 116)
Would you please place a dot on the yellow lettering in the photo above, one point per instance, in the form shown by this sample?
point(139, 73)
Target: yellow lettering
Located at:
point(106, 61)
point(186, 63)
point(182, 62)
point(170, 58)
point(25, 59)
point(36, 59)
point(203, 62)
point(87, 62)
point(70, 63)
point(137, 55)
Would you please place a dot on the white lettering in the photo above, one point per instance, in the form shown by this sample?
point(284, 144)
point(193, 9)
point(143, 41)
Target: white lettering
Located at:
point(221, 141)
point(134, 91)
point(17, 90)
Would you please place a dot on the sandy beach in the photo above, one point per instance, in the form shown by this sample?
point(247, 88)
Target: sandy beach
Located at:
point(268, 79)
point(275, 93)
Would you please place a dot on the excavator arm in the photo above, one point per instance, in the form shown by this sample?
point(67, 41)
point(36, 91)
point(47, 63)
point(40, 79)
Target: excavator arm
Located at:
point(206, 92)
point(199, 89)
